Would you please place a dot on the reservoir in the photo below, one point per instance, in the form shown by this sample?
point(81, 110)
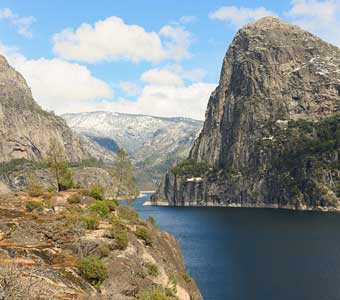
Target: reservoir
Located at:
point(256, 254)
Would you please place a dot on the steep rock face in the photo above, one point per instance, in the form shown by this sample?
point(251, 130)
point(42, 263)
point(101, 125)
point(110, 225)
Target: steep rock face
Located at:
point(25, 129)
point(271, 134)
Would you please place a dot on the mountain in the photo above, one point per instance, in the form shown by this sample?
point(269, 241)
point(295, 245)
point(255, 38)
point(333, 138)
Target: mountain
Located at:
point(271, 137)
point(153, 143)
point(25, 128)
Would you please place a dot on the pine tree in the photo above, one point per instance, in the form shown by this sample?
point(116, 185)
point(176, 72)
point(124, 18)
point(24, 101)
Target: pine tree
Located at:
point(123, 175)
point(56, 160)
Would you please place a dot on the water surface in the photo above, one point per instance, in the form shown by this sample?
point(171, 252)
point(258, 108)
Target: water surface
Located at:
point(256, 254)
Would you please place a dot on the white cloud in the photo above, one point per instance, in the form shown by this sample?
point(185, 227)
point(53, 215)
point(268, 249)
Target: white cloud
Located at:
point(167, 94)
point(193, 75)
point(22, 24)
point(130, 88)
point(112, 39)
point(172, 75)
point(168, 101)
point(58, 85)
point(162, 77)
point(239, 16)
point(68, 87)
point(177, 43)
point(187, 20)
point(320, 17)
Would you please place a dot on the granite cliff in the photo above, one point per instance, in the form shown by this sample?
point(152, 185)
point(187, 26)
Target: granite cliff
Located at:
point(25, 128)
point(271, 136)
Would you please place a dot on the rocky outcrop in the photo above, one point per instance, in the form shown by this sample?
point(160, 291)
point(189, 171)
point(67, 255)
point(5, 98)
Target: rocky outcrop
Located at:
point(42, 253)
point(25, 129)
point(271, 136)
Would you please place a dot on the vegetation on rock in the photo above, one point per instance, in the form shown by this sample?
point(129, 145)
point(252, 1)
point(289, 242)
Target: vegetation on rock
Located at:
point(190, 168)
point(56, 161)
point(93, 269)
point(144, 234)
point(123, 173)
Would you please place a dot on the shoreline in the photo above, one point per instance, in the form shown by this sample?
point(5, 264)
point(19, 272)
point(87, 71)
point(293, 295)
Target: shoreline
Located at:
point(144, 193)
point(234, 205)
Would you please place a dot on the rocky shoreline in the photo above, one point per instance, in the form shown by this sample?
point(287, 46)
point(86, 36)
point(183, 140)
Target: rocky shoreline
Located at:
point(246, 205)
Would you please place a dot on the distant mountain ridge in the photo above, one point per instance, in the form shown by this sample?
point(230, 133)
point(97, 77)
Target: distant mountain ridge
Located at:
point(153, 143)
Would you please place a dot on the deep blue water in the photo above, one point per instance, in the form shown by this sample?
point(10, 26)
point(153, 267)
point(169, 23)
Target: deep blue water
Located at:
point(256, 254)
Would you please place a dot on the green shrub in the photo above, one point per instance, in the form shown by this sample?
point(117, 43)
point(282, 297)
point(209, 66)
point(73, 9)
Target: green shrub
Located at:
point(96, 192)
point(91, 222)
point(187, 278)
point(122, 239)
point(112, 204)
point(99, 207)
point(144, 234)
point(74, 199)
point(66, 180)
point(190, 167)
point(172, 284)
point(93, 270)
point(34, 188)
point(34, 205)
point(118, 232)
point(104, 251)
point(153, 269)
point(155, 294)
point(128, 213)
point(13, 165)
point(152, 221)
point(51, 189)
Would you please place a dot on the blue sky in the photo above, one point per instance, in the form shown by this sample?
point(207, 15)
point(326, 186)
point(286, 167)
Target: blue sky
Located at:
point(151, 57)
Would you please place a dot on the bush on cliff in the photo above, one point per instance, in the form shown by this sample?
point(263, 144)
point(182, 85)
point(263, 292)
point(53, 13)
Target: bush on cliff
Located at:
point(96, 192)
point(190, 167)
point(144, 234)
point(118, 232)
point(99, 207)
point(93, 270)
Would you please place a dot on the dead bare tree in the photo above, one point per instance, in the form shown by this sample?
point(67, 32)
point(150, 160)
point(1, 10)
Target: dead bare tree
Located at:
point(21, 283)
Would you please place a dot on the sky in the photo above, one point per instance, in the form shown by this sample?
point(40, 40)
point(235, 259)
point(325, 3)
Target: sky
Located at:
point(150, 57)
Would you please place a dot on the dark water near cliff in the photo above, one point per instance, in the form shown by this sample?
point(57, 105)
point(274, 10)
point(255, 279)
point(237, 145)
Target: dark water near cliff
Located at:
point(256, 254)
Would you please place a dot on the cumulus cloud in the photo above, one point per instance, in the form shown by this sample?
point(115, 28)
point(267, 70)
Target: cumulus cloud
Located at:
point(239, 16)
point(69, 87)
point(173, 74)
point(130, 88)
point(169, 91)
point(168, 101)
point(193, 75)
point(319, 17)
point(112, 39)
point(22, 24)
point(162, 77)
point(56, 84)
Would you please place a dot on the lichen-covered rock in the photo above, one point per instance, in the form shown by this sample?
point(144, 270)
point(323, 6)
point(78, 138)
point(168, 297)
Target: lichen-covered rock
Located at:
point(271, 133)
